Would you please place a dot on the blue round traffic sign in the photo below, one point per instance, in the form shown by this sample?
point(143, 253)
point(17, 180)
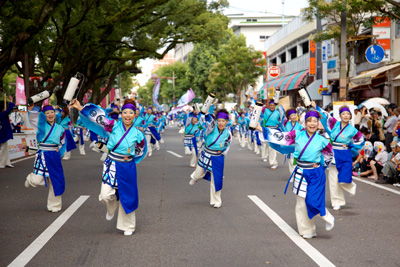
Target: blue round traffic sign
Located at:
point(374, 54)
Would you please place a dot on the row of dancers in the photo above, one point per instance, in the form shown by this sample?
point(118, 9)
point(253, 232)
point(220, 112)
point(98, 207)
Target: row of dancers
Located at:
point(311, 152)
point(316, 143)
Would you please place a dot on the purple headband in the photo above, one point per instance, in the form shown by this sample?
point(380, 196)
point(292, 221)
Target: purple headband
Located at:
point(272, 102)
point(223, 115)
point(128, 106)
point(47, 108)
point(345, 109)
point(150, 108)
point(290, 112)
point(312, 113)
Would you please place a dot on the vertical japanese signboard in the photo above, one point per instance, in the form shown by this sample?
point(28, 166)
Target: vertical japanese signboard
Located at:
point(381, 27)
point(313, 60)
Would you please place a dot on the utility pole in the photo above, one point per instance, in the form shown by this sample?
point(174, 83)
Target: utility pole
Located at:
point(283, 14)
point(173, 88)
point(343, 65)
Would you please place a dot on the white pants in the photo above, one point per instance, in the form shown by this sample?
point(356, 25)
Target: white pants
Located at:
point(67, 155)
point(256, 147)
point(215, 197)
point(290, 164)
point(242, 140)
point(336, 188)
point(193, 157)
point(264, 150)
point(249, 143)
point(272, 156)
point(125, 222)
point(81, 148)
point(54, 203)
point(304, 224)
point(4, 155)
point(149, 146)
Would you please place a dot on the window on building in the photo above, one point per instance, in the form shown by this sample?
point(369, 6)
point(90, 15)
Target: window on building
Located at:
point(254, 20)
point(293, 52)
point(283, 57)
point(305, 47)
point(248, 19)
point(273, 61)
point(263, 37)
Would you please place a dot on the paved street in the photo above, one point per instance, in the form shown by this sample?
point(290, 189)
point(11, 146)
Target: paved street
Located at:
point(176, 226)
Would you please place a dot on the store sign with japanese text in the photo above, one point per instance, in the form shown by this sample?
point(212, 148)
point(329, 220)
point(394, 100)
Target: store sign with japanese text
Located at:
point(313, 60)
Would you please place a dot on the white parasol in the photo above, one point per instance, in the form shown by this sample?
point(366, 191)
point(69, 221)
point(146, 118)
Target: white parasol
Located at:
point(378, 100)
point(374, 105)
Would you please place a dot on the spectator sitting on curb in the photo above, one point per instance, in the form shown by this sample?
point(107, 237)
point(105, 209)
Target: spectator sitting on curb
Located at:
point(391, 168)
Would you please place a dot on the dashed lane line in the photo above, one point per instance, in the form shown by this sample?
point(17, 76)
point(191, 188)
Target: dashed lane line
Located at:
point(313, 253)
point(175, 154)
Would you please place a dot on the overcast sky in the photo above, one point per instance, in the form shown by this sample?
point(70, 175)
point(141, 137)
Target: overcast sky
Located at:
point(272, 7)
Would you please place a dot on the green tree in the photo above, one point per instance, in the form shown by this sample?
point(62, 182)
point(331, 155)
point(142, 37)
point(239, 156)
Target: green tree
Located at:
point(202, 59)
point(101, 39)
point(236, 68)
point(167, 91)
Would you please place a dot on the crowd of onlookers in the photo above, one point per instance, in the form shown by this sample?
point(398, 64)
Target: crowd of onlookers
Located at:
point(380, 157)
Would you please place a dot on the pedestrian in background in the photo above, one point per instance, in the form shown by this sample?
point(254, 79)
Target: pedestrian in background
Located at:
point(16, 120)
point(6, 134)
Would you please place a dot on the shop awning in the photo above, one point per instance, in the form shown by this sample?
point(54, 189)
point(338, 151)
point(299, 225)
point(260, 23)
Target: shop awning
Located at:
point(367, 77)
point(288, 82)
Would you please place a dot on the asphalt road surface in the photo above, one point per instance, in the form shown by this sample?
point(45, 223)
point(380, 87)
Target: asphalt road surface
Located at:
point(176, 226)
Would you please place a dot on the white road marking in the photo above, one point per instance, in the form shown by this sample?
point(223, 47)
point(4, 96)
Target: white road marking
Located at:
point(44, 237)
point(18, 160)
point(314, 254)
point(378, 185)
point(173, 153)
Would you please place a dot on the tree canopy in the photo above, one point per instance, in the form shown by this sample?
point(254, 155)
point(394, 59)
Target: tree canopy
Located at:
point(100, 39)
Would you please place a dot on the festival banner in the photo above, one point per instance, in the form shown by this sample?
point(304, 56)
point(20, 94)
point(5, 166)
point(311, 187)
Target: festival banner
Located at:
point(20, 98)
point(183, 101)
point(156, 91)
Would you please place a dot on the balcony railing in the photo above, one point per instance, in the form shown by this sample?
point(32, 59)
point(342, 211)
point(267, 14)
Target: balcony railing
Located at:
point(289, 28)
point(295, 65)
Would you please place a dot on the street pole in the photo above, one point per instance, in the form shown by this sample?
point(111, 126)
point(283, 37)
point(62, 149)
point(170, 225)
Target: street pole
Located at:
point(283, 14)
point(343, 65)
point(173, 88)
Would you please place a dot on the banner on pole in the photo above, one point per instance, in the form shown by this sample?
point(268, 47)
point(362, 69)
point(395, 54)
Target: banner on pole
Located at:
point(20, 98)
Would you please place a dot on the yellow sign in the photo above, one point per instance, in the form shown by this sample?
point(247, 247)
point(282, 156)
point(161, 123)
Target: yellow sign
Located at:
point(343, 103)
point(271, 92)
point(320, 90)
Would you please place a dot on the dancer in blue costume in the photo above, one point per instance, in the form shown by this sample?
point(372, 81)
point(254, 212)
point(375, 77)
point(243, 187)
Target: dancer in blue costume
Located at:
point(243, 124)
point(313, 153)
point(79, 129)
point(210, 165)
point(291, 125)
point(150, 130)
point(6, 133)
point(63, 120)
point(127, 147)
point(347, 143)
point(139, 122)
point(47, 169)
point(271, 120)
point(190, 138)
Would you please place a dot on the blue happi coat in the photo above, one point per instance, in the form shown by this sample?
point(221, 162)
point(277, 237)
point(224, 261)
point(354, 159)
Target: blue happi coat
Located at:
point(216, 142)
point(120, 175)
point(48, 163)
point(347, 143)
